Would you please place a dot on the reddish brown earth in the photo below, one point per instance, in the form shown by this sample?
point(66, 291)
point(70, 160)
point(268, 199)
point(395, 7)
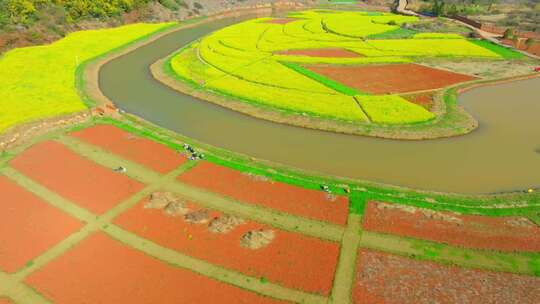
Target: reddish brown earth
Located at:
point(146, 152)
point(423, 99)
point(28, 226)
point(280, 20)
point(5, 301)
point(102, 270)
point(332, 53)
point(385, 278)
point(473, 231)
point(386, 79)
point(292, 260)
point(82, 181)
point(283, 197)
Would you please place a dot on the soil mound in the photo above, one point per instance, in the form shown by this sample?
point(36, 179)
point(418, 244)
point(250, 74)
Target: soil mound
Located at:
point(257, 239)
point(197, 217)
point(224, 224)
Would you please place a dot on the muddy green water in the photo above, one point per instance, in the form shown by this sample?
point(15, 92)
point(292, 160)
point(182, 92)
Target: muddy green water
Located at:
point(502, 155)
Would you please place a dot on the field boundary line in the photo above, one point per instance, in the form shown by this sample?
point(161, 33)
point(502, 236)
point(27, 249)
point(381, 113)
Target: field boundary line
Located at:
point(208, 199)
point(18, 292)
point(517, 263)
point(344, 277)
point(209, 270)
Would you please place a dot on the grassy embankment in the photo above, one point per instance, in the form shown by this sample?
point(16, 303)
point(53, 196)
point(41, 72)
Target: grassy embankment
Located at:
point(243, 61)
point(40, 82)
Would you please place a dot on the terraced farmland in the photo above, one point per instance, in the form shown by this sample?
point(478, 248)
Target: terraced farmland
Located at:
point(279, 64)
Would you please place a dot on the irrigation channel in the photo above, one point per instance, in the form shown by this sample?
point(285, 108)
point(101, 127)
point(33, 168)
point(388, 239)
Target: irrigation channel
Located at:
point(503, 154)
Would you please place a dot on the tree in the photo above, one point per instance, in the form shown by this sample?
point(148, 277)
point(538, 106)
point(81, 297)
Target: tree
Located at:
point(508, 33)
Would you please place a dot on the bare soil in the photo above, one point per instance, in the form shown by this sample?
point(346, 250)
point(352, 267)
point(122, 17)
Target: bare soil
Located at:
point(28, 226)
point(110, 272)
point(388, 79)
point(283, 197)
point(144, 151)
point(425, 100)
point(289, 259)
point(257, 239)
point(280, 20)
point(385, 278)
point(472, 231)
point(80, 180)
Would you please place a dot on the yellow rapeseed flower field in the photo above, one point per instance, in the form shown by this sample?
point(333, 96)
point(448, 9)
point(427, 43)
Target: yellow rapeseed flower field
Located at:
point(39, 82)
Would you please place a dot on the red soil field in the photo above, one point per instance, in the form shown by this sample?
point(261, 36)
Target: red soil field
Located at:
point(102, 270)
point(424, 99)
point(28, 226)
point(5, 301)
point(283, 197)
point(392, 78)
point(281, 20)
point(292, 260)
point(332, 53)
point(82, 181)
point(141, 150)
point(385, 278)
point(473, 231)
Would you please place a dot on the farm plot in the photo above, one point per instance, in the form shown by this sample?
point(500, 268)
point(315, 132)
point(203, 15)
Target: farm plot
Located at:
point(39, 82)
point(258, 190)
point(82, 181)
point(106, 271)
point(28, 226)
point(385, 278)
point(391, 79)
point(496, 233)
point(248, 61)
point(256, 250)
point(149, 153)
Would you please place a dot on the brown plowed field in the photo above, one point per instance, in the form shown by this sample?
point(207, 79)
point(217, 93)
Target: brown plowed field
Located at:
point(332, 53)
point(283, 197)
point(391, 78)
point(102, 270)
point(5, 301)
point(498, 233)
point(146, 152)
point(82, 181)
point(28, 226)
point(423, 99)
point(385, 278)
point(291, 259)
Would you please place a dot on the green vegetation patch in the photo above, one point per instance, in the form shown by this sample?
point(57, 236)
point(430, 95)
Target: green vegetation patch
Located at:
point(393, 109)
point(504, 52)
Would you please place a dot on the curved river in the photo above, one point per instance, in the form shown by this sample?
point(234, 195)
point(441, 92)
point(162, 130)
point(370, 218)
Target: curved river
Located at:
point(502, 155)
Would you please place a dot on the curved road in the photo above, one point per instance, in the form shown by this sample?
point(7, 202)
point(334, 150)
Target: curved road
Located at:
point(502, 155)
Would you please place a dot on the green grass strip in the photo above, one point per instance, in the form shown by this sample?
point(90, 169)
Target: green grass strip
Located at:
point(399, 33)
point(334, 85)
point(504, 52)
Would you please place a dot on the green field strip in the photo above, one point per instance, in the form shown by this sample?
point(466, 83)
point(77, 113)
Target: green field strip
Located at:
point(519, 263)
point(288, 222)
point(344, 278)
point(332, 84)
point(504, 52)
point(210, 270)
point(208, 199)
point(19, 292)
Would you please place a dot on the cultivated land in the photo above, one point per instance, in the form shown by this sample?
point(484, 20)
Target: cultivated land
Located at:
point(233, 230)
point(176, 230)
point(334, 66)
point(40, 82)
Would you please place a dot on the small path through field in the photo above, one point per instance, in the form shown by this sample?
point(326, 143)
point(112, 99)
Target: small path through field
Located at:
point(351, 237)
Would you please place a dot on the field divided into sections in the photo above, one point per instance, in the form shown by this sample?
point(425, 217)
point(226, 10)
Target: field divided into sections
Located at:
point(175, 234)
point(39, 82)
point(313, 63)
